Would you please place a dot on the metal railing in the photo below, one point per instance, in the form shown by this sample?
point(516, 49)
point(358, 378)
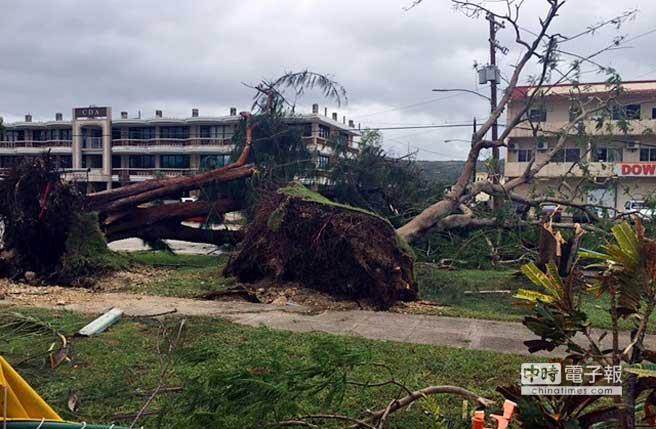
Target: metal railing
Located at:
point(92, 143)
point(192, 141)
point(35, 143)
point(152, 172)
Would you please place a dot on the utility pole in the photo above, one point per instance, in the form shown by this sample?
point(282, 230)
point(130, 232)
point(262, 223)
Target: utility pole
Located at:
point(474, 134)
point(496, 202)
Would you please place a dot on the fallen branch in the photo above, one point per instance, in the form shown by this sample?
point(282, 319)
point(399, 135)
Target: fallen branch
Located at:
point(398, 404)
point(166, 363)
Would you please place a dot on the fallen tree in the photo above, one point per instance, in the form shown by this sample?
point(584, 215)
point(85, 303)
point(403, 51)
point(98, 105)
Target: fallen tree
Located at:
point(543, 49)
point(54, 232)
point(299, 236)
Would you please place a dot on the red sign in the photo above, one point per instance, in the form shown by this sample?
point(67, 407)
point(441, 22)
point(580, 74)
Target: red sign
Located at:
point(637, 169)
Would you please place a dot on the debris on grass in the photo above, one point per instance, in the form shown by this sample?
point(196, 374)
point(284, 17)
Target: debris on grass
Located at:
point(100, 324)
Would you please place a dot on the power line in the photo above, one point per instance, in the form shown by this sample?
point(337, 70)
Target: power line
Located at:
point(418, 127)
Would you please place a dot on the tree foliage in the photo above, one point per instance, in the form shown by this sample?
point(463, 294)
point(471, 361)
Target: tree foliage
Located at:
point(627, 265)
point(392, 187)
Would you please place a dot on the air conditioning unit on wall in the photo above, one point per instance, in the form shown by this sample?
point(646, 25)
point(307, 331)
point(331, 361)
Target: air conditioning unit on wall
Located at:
point(632, 145)
point(542, 146)
point(512, 146)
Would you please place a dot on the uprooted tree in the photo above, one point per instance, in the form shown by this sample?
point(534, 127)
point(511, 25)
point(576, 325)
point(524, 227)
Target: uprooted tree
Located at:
point(296, 235)
point(59, 234)
point(54, 231)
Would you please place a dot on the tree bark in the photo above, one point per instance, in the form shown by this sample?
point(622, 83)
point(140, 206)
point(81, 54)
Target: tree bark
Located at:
point(168, 188)
point(180, 232)
point(145, 217)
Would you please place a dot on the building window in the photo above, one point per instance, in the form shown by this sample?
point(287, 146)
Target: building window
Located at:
point(92, 161)
point(647, 154)
point(323, 161)
point(116, 161)
point(14, 135)
point(39, 135)
point(572, 155)
point(324, 131)
point(537, 115)
point(524, 155)
point(142, 161)
point(147, 133)
point(607, 154)
point(116, 134)
point(65, 134)
point(567, 155)
point(205, 132)
point(174, 132)
point(210, 162)
point(653, 112)
point(628, 112)
point(175, 161)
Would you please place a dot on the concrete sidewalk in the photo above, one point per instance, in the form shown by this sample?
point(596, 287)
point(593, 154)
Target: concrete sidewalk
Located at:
point(502, 337)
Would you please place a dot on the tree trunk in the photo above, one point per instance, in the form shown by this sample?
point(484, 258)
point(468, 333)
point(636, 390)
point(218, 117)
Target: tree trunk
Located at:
point(145, 217)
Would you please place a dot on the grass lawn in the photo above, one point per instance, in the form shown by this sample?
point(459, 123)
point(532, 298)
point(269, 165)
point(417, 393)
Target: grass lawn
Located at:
point(113, 372)
point(187, 276)
point(195, 275)
point(448, 287)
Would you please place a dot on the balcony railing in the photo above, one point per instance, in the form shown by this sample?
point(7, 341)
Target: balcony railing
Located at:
point(35, 143)
point(153, 172)
point(92, 143)
point(194, 141)
point(636, 127)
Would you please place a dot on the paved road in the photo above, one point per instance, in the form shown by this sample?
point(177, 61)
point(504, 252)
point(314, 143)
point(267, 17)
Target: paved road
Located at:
point(503, 337)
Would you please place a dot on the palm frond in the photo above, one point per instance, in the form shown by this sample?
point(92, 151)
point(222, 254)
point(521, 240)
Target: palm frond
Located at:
point(13, 325)
point(270, 93)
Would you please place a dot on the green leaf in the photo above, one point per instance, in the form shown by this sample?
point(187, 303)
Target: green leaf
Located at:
point(533, 296)
point(642, 370)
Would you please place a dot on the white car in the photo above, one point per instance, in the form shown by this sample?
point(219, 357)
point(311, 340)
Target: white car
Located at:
point(640, 209)
point(191, 199)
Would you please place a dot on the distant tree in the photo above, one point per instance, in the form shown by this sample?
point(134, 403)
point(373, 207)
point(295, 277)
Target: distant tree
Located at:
point(372, 179)
point(278, 149)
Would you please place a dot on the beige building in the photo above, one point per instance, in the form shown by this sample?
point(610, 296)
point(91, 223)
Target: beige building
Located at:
point(106, 152)
point(612, 165)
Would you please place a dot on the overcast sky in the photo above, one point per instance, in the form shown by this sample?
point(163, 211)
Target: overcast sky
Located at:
point(174, 55)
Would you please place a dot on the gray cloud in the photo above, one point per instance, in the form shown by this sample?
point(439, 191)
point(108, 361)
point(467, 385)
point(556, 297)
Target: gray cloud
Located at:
point(177, 55)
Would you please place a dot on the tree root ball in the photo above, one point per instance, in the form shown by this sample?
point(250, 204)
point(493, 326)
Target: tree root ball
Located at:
point(300, 236)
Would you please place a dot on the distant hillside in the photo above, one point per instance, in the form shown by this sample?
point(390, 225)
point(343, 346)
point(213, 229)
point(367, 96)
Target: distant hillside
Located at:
point(446, 171)
point(441, 171)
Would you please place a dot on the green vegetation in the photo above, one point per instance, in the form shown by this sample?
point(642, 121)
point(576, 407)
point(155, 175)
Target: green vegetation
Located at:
point(448, 288)
point(185, 276)
point(86, 252)
point(196, 275)
point(113, 373)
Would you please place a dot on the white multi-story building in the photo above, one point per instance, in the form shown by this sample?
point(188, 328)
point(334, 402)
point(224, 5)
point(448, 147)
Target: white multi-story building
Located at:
point(108, 152)
point(610, 165)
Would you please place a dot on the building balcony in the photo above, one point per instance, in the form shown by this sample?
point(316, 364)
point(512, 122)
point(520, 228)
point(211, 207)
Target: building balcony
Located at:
point(137, 174)
point(92, 143)
point(194, 141)
point(636, 128)
point(41, 144)
point(35, 147)
point(562, 169)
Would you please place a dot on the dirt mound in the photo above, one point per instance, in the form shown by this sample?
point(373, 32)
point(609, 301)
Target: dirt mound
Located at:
point(300, 236)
